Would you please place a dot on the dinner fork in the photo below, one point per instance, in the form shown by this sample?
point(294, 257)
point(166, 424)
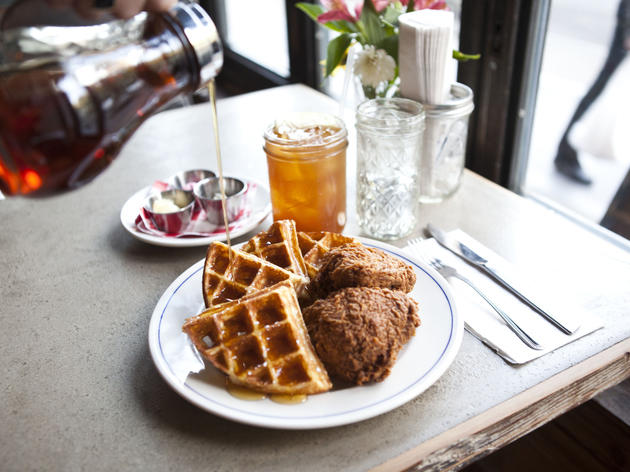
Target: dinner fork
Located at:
point(448, 271)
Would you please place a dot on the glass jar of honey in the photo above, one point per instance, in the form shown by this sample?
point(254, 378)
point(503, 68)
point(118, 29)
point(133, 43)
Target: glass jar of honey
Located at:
point(306, 160)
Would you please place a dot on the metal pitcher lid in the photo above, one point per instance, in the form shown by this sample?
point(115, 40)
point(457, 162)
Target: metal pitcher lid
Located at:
point(23, 42)
point(203, 37)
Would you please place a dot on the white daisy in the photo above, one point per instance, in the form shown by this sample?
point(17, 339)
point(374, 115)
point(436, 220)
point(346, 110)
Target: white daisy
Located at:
point(374, 66)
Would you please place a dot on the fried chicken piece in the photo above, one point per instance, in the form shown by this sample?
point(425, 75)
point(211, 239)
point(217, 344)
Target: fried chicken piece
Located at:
point(356, 265)
point(357, 332)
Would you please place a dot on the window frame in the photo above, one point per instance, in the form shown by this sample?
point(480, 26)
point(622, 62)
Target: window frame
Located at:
point(509, 35)
point(504, 80)
point(241, 74)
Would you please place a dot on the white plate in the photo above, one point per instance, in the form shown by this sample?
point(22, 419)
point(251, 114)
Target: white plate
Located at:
point(261, 207)
point(421, 362)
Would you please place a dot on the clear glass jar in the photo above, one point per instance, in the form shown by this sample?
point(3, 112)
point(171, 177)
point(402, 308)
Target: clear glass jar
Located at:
point(389, 150)
point(306, 160)
point(443, 156)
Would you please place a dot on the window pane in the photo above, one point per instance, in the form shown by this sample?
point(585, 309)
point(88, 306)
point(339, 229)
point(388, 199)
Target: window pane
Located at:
point(258, 30)
point(578, 42)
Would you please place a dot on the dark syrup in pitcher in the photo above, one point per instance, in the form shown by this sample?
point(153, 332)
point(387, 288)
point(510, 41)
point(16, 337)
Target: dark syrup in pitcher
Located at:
point(63, 119)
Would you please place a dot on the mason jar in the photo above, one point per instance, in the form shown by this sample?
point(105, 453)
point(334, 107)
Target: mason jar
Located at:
point(389, 151)
point(443, 157)
point(306, 161)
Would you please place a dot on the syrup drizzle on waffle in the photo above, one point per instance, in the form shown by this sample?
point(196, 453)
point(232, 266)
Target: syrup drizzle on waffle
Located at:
point(261, 342)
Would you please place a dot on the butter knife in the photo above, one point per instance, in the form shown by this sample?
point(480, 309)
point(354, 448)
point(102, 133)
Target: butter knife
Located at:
point(451, 243)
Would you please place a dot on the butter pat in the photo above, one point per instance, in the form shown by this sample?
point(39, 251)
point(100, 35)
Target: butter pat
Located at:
point(164, 205)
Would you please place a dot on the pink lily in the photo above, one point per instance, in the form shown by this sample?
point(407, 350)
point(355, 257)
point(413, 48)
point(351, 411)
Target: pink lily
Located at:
point(380, 5)
point(431, 4)
point(338, 10)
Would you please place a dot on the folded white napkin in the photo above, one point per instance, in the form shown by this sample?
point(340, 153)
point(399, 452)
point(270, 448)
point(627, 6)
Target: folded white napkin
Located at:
point(482, 321)
point(425, 54)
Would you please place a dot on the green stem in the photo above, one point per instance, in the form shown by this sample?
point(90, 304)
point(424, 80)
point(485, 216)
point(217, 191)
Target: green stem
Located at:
point(362, 36)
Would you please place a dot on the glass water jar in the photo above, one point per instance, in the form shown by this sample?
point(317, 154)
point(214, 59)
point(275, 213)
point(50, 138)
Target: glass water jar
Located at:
point(389, 150)
point(306, 160)
point(443, 156)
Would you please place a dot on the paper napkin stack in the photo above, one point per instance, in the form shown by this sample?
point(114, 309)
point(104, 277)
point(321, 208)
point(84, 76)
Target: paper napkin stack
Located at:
point(425, 55)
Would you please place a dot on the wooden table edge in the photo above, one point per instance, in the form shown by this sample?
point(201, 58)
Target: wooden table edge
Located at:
point(507, 421)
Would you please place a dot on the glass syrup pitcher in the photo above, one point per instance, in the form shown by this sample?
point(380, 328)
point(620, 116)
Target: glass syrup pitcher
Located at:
point(70, 97)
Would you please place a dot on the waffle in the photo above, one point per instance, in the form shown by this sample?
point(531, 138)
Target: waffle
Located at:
point(261, 342)
point(314, 245)
point(225, 281)
point(278, 245)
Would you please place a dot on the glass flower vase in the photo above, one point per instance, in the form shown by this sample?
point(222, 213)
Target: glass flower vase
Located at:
point(385, 89)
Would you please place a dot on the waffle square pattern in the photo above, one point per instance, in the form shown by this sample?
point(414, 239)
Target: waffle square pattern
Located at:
point(314, 245)
point(279, 245)
point(261, 342)
point(230, 274)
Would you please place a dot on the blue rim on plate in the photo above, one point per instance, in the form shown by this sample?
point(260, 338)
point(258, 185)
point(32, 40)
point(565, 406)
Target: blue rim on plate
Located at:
point(425, 358)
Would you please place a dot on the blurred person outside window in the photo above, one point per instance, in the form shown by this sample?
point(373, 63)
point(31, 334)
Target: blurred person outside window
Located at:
point(566, 160)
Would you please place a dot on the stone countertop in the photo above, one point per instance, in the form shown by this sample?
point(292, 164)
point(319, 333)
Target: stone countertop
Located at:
point(80, 390)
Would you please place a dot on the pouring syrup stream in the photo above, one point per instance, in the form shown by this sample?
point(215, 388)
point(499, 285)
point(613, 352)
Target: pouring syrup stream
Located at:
point(238, 391)
point(215, 123)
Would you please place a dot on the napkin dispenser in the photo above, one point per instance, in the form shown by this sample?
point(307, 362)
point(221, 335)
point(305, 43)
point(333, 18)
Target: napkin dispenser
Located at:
point(426, 76)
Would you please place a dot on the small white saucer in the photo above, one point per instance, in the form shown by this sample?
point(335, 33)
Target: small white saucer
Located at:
point(261, 207)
